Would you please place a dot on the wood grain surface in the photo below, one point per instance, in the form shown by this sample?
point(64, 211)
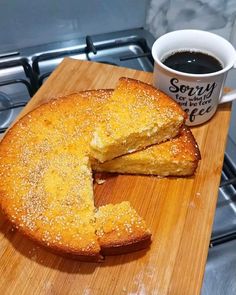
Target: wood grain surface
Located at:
point(179, 212)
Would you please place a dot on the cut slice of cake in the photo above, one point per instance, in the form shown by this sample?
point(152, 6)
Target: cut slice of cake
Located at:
point(135, 116)
point(120, 229)
point(176, 157)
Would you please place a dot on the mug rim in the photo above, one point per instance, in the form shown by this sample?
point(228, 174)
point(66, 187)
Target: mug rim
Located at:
point(158, 61)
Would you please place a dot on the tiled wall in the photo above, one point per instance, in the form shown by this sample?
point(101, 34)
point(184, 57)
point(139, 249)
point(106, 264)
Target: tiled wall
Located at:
point(29, 22)
point(213, 15)
point(217, 16)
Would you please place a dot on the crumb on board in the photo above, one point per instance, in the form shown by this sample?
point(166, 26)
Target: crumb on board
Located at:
point(100, 181)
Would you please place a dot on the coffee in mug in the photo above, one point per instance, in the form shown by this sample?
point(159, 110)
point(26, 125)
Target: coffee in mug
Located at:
point(192, 62)
point(191, 67)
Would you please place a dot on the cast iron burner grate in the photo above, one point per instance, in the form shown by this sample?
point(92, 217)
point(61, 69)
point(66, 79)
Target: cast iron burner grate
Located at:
point(129, 51)
point(7, 105)
point(9, 63)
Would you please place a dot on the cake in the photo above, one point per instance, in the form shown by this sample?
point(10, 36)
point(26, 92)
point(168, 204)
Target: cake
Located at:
point(46, 181)
point(178, 156)
point(46, 165)
point(119, 227)
point(135, 116)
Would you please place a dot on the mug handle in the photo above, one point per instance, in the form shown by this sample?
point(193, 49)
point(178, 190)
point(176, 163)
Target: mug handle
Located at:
point(230, 95)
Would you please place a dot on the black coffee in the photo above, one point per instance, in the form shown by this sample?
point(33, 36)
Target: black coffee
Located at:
point(193, 62)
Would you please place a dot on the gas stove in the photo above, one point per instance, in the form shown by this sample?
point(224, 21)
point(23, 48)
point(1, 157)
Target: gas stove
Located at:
point(24, 71)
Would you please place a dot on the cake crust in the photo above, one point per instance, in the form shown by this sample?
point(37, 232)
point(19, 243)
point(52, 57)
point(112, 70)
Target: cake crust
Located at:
point(120, 229)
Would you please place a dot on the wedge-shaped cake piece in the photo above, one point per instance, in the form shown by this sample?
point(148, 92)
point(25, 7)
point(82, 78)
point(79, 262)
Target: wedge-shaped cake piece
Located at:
point(120, 229)
point(178, 156)
point(135, 116)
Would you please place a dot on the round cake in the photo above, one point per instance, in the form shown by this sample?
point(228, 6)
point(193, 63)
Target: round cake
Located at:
point(47, 186)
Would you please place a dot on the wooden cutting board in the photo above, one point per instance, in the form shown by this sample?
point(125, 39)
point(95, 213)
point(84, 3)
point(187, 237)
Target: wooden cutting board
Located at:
point(179, 212)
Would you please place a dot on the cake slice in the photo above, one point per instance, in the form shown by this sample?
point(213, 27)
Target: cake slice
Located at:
point(120, 229)
point(178, 156)
point(135, 116)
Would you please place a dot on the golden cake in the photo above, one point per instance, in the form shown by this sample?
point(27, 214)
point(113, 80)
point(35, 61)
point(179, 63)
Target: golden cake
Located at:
point(119, 226)
point(46, 182)
point(178, 156)
point(135, 116)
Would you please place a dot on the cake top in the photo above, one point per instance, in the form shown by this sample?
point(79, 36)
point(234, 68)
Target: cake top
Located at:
point(134, 106)
point(135, 115)
point(45, 173)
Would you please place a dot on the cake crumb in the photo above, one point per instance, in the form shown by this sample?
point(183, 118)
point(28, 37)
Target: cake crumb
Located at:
point(124, 289)
point(100, 181)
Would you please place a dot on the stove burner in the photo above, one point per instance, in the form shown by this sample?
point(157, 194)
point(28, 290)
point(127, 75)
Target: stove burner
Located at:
point(6, 113)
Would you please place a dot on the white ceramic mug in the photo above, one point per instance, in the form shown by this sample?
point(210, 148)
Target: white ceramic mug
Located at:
point(198, 94)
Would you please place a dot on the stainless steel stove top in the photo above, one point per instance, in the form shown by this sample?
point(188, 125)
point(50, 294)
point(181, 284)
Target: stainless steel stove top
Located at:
point(24, 71)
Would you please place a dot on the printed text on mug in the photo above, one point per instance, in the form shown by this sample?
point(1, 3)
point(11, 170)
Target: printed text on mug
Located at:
point(196, 101)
